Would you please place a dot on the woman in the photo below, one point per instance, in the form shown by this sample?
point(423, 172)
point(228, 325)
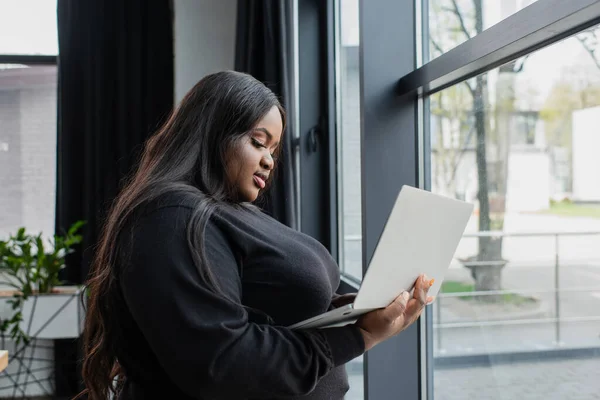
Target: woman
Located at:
point(192, 287)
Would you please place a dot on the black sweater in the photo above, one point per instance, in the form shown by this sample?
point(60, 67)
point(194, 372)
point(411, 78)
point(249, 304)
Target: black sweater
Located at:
point(179, 340)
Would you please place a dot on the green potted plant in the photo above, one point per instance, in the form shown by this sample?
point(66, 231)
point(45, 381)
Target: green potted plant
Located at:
point(32, 269)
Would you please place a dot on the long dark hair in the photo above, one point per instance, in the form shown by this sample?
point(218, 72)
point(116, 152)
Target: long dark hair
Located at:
point(188, 153)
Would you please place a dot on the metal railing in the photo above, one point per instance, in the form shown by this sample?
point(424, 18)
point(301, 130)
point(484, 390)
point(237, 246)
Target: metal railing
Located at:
point(557, 290)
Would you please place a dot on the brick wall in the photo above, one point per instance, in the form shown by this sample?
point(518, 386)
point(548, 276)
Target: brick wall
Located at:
point(27, 157)
point(38, 158)
point(11, 190)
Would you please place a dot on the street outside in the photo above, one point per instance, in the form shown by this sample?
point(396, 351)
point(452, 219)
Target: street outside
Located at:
point(570, 379)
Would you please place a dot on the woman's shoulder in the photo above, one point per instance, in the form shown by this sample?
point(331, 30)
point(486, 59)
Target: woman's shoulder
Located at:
point(155, 201)
point(242, 214)
point(187, 201)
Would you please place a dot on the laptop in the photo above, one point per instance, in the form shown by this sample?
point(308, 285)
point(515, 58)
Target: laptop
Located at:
point(420, 236)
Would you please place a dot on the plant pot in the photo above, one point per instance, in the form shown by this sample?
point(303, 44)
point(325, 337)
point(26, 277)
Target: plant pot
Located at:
point(57, 315)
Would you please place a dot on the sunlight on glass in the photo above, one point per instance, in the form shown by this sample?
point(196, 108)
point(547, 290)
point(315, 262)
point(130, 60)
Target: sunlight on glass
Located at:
point(28, 27)
point(349, 139)
point(348, 147)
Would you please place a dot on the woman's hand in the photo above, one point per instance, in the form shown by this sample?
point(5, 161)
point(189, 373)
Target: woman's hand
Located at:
point(380, 325)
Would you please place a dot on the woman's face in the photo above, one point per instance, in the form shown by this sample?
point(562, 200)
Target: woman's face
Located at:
point(250, 163)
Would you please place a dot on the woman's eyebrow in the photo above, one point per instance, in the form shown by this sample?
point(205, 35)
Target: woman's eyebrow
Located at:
point(265, 131)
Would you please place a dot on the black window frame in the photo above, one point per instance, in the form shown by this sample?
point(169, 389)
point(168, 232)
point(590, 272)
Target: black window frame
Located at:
point(315, 143)
point(27, 59)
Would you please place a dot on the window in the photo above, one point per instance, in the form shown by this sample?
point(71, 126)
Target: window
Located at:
point(28, 116)
point(348, 138)
point(28, 104)
point(348, 155)
point(27, 148)
point(28, 27)
point(522, 296)
point(493, 102)
point(452, 22)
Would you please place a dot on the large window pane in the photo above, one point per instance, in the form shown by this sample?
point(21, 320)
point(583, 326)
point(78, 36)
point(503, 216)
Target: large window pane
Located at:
point(27, 148)
point(349, 175)
point(452, 22)
point(522, 296)
point(348, 95)
point(28, 27)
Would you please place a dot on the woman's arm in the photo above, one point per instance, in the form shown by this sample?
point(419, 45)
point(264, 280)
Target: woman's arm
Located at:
point(204, 342)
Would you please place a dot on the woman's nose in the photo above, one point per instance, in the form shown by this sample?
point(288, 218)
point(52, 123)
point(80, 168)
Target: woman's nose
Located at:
point(267, 162)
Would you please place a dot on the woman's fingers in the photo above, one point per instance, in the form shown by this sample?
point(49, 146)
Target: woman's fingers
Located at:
point(422, 286)
point(409, 309)
point(420, 299)
point(398, 306)
point(377, 326)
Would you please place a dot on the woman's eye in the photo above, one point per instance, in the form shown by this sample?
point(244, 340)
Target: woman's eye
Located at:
point(257, 143)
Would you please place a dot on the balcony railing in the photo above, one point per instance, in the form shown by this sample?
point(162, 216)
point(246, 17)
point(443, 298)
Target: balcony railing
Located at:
point(557, 290)
point(550, 256)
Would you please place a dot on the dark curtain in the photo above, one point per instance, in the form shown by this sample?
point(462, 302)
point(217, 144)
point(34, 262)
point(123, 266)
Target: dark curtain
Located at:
point(115, 87)
point(263, 50)
point(115, 68)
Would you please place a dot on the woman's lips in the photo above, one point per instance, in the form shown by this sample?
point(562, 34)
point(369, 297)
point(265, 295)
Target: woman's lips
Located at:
point(260, 182)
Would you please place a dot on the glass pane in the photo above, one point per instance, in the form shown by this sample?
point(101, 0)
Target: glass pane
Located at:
point(348, 139)
point(28, 27)
point(452, 22)
point(27, 148)
point(519, 312)
point(348, 92)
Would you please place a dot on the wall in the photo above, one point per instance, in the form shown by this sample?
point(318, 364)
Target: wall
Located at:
point(38, 157)
point(528, 181)
point(586, 163)
point(11, 203)
point(204, 40)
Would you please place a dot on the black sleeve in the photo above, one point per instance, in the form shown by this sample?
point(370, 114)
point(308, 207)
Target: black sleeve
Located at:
point(205, 343)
